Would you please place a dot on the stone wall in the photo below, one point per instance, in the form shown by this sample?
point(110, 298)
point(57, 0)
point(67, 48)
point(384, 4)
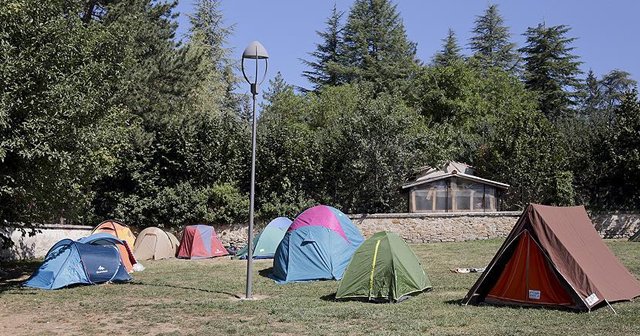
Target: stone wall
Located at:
point(27, 246)
point(616, 225)
point(413, 227)
point(442, 227)
point(236, 234)
point(448, 227)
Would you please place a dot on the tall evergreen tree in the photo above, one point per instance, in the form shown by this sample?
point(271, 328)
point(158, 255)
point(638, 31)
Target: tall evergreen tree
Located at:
point(450, 52)
point(591, 95)
point(490, 43)
point(376, 47)
point(277, 86)
point(551, 70)
point(324, 69)
point(614, 85)
point(208, 36)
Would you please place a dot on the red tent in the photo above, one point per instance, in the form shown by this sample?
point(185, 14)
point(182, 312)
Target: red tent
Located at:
point(554, 257)
point(200, 241)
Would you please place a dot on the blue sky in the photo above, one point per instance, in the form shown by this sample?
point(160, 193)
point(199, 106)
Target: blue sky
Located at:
point(606, 31)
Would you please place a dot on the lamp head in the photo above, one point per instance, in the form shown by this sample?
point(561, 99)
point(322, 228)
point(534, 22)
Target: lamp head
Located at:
point(255, 50)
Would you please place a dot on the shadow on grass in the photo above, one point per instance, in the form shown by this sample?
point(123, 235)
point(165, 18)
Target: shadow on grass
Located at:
point(455, 302)
point(13, 274)
point(332, 298)
point(520, 306)
point(139, 283)
point(329, 297)
point(266, 272)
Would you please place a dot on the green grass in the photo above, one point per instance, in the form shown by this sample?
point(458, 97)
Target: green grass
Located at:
point(178, 297)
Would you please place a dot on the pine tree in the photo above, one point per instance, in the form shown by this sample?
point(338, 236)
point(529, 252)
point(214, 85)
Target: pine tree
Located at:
point(208, 36)
point(551, 69)
point(208, 21)
point(327, 55)
point(376, 47)
point(277, 86)
point(450, 52)
point(591, 95)
point(613, 87)
point(491, 44)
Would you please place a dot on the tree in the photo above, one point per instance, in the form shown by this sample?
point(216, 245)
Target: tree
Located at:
point(207, 38)
point(591, 96)
point(490, 43)
point(524, 152)
point(450, 52)
point(614, 85)
point(187, 163)
point(550, 69)
point(277, 86)
point(328, 54)
point(625, 153)
point(287, 166)
point(376, 47)
point(59, 130)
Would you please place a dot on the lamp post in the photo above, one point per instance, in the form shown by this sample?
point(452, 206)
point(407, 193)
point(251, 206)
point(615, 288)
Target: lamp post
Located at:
point(254, 51)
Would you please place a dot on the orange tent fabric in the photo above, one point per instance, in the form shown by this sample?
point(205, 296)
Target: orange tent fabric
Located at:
point(554, 257)
point(528, 278)
point(122, 232)
point(117, 229)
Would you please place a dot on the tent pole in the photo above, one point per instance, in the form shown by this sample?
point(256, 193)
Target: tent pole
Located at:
point(608, 304)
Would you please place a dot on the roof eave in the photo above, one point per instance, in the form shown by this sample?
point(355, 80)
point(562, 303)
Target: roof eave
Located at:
point(461, 175)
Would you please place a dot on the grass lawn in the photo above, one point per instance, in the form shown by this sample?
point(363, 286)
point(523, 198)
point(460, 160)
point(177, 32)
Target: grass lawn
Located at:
point(176, 297)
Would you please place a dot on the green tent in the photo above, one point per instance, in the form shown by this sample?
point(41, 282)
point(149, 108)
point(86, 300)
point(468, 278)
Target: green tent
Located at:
point(384, 268)
point(266, 243)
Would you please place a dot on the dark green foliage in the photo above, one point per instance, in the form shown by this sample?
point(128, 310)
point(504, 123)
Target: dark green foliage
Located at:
point(370, 151)
point(490, 42)
point(325, 69)
point(450, 52)
point(598, 177)
point(623, 155)
point(58, 130)
point(122, 121)
point(376, 47)
point(591, 96)
point(103, 114)
point(286, 160)
point(551, 69)
point(523, 151)
point(344, 147)
point(614, 86)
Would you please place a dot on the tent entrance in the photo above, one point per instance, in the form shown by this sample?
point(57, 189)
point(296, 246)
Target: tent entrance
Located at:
point(101, 263)
point(529, 278)
point(154, 245)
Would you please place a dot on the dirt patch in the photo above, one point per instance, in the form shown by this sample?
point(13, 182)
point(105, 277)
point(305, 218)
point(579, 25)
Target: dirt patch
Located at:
point(241, 297)
point(62, 322)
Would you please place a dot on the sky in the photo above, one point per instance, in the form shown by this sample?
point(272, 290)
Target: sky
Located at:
point(606, 31)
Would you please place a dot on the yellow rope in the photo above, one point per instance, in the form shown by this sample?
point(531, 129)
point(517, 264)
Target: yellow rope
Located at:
point(373, 267)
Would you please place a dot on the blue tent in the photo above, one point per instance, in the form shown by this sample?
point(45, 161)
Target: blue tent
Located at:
point(91, 260)
point(318, 246)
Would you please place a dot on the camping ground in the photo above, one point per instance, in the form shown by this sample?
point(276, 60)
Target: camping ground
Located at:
point(176, 297)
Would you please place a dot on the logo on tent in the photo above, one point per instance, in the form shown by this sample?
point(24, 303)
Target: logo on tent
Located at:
point(534, 294)
point(101, 270)
point(592, 299)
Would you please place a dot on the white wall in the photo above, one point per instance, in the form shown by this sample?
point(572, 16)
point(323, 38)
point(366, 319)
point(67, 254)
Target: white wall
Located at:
point(37, 246)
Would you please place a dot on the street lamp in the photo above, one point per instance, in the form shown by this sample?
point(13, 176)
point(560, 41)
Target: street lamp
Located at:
point(255, 51)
